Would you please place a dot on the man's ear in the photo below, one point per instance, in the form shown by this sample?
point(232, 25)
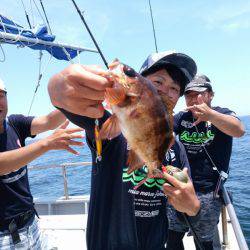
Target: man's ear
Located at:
point(211, 96)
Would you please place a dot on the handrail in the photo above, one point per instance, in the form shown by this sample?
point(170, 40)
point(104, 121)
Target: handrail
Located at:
point(70, 164)
point(234, 220)
point(64, 172)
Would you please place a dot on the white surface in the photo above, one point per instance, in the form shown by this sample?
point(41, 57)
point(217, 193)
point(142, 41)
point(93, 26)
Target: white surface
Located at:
point(64, 232)
point(68, 232)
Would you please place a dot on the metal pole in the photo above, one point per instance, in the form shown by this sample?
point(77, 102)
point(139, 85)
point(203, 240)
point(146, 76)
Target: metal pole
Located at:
point(65, 182)
point(234, 220)
point(224, 226)
point(11, 38)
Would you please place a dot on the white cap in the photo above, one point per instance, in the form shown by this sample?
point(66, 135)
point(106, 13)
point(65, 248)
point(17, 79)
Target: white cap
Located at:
point(2, 86)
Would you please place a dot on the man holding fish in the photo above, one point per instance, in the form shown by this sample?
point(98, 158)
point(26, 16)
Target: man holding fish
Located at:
point(127, 206)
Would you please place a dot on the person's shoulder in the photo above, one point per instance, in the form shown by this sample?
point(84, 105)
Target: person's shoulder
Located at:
point(178, 146)
point(19, 117)
point(225, 111)
point(182, 114)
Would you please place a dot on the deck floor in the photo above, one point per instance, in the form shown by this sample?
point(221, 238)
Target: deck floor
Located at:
point(60, 231)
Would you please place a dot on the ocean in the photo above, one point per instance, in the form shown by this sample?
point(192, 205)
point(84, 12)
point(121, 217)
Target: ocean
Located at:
point(48, 183)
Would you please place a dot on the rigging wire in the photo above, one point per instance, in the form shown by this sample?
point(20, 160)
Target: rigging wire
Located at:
point(91, 35)
point(26, 14)
point(153, 25)
point(32, 14)
point(40, 75)
point(47, 20)
point(4, 57)
point(39, 12)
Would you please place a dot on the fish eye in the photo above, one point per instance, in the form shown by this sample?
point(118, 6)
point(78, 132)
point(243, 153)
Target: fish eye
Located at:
point(128, 71)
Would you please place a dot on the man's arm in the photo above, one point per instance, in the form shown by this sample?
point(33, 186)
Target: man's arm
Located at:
point(226, 123)
point(62, 138)
point(47, 122)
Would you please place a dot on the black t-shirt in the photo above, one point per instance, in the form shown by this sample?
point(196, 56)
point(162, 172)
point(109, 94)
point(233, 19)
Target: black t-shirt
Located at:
point(120, 217)
point(194, 139)
point(15, 196)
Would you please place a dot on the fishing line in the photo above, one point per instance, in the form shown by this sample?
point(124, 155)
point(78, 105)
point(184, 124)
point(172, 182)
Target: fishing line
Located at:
point(153, 25)
point(193, 231)
point(97, 129)
point(222, 175)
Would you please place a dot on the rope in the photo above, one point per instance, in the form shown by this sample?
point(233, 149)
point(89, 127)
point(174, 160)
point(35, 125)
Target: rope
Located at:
point(153, 25)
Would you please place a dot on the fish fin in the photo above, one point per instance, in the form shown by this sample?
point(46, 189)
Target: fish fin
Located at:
point(170, 108)
point(115, 96)
point(132, 94)
point(134, 162)
point(168, 104)
point(114, 64)
point(172, 141)
point(110, 129)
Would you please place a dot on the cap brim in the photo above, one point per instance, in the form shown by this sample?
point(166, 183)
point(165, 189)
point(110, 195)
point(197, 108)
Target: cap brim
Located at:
point(197, 89)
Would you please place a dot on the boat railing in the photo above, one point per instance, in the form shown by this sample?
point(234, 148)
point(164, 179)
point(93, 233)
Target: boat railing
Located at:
point(234, 220)
point(64, 167)
point(228, 204)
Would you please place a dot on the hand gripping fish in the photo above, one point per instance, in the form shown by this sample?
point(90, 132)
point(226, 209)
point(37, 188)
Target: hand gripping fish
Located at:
point(142, 116)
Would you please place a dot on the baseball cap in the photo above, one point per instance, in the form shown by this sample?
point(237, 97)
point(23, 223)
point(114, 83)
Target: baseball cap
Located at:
point(2, 86)
point(200, 83)
point(183, 62)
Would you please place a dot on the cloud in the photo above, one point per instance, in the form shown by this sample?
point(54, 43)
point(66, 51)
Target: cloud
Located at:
point(228, 16)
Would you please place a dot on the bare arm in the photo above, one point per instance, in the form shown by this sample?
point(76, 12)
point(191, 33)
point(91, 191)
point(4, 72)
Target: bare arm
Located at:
point(47, 122)
point(62, 138)
point(228, 124)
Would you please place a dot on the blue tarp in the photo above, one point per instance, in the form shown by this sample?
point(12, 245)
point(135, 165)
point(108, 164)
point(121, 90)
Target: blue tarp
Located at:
point(40, 32)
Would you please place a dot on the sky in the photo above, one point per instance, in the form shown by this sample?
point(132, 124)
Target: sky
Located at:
point(215, 33)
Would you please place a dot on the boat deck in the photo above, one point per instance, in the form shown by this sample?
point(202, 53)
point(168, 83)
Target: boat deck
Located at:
point(60, 228)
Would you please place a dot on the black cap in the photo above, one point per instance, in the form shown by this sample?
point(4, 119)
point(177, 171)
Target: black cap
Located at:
point(182, 62)
point(200, 83)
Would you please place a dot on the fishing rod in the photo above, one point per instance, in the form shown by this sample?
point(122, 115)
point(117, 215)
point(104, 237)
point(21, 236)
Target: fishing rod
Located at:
point(97, 125)
point(90, 33)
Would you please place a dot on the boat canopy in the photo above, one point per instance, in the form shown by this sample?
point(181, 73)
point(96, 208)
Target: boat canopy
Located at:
point(37, 38)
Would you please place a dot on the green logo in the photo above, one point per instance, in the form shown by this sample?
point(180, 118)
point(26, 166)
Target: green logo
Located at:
point(138, 175)
point(197, 138)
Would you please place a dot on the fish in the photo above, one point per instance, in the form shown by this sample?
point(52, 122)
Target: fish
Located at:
point(141, 114)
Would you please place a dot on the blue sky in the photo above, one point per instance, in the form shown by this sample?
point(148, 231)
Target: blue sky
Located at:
point(216, 33)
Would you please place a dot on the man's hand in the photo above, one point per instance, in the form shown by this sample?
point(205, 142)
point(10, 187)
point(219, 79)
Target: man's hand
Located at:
point(201, 111)
point(79, 90)
point(62, 138)
point(182, 195)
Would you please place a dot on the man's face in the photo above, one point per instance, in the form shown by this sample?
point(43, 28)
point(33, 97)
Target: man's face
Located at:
point(191, 97)
point(3, 106)
point(165, 85)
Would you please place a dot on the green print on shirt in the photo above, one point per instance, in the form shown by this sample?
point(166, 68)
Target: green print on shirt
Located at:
point(136, 176)
point(197, 138)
